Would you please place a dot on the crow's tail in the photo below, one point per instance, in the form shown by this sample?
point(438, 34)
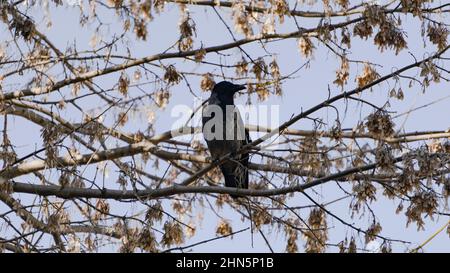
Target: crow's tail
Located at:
point(237, 181)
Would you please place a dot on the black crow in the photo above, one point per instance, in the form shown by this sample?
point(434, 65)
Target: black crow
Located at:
point(224, 132)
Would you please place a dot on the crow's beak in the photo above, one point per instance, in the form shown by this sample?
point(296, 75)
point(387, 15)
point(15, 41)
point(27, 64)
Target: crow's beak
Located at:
point(239, 87)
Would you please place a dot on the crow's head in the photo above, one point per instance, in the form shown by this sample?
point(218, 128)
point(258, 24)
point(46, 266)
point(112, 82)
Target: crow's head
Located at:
point(226, 90)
